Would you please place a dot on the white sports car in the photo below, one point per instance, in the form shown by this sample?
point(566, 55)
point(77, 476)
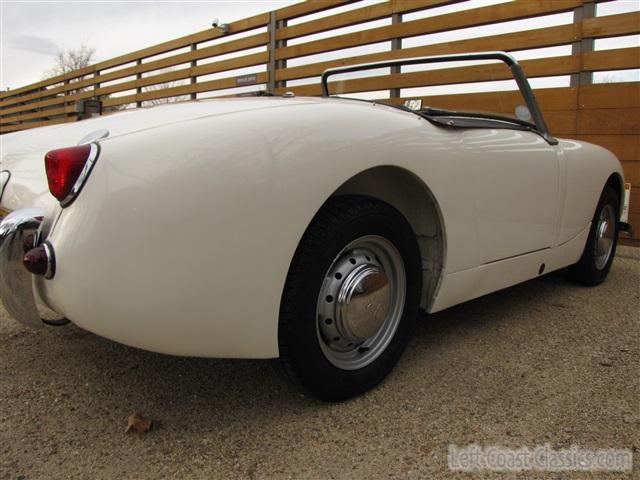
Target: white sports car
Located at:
point(310, 229)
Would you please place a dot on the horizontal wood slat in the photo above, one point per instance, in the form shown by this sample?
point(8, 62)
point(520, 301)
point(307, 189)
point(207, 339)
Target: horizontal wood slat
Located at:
point(207, 52)
point(610, 95)
point(632, 173)
point(172, 76)
point(167, 77)
point(561, 123)
point(308, 7)
point(538, 38)
point(619, 59)
point(619, 121)
point(203, 36)
point(208, 86)
point(199, 87)
point(480, 73)
point(550, 99)
point(474, 17)
point(539, 67)
point(49, 112)
point(544, 37)
point(361, 15)
point(44, 123)
point(611, 25)
point(534, 68)
point(625, 147)
point(57, 100)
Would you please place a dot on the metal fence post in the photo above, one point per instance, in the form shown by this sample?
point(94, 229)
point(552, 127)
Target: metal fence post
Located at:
point(271, 66)
point(96, 85)
point(138, 77)
point(280, 64)
point(65, 93)
point(274, 65)
point(194, 64)
point(396, 44)
point(582, 45)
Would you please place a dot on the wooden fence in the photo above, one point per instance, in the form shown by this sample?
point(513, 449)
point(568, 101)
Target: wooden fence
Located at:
point(287, 49)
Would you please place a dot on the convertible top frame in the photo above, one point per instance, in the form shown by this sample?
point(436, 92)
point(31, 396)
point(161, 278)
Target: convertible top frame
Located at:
point(512, 63)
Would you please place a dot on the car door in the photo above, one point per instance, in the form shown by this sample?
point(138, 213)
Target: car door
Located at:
point(516, 181)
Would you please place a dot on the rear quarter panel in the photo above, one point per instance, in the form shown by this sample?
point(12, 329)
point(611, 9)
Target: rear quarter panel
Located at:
point(181, 240)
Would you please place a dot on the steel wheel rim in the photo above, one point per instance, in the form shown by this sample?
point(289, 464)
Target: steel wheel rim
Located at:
point(605, 233)
point(360, 303)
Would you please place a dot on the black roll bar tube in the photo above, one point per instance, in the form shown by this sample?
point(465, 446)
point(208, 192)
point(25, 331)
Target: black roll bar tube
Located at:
point(512, 63)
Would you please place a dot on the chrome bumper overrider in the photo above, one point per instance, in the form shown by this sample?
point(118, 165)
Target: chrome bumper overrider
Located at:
point(16, 289)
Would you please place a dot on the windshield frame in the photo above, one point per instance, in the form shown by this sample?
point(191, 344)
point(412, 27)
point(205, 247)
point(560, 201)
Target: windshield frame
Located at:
point(516, 70)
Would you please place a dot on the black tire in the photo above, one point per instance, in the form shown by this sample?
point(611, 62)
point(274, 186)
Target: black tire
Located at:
point(340, 221)
point(587, 271)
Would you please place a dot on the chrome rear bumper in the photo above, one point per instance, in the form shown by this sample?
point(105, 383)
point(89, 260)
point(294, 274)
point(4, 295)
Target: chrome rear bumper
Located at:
point(626, 229)
point(16, 283)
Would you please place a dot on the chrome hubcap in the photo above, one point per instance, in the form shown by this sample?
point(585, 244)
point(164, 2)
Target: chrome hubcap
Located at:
point(605, 232)
point(360, 302)
point(363, 303)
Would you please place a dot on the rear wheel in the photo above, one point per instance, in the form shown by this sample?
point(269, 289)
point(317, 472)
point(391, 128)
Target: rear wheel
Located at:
point(596, 260)
point(351, 298)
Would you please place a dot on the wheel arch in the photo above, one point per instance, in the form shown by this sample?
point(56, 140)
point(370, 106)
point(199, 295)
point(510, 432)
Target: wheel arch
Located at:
point(617, 183)
point(403, 190)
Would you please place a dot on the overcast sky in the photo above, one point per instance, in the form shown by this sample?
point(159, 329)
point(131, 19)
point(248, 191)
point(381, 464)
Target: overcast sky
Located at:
point(33, 31)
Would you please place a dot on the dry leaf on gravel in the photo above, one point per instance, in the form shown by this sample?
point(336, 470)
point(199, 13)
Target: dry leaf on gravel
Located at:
point(138, 424)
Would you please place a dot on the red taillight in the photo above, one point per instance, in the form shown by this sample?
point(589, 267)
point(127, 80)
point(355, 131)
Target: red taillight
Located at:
point(36, 260)
point(64, 167)
point(40, 260)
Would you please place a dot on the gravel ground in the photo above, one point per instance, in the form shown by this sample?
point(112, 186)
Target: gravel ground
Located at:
point(542, 362)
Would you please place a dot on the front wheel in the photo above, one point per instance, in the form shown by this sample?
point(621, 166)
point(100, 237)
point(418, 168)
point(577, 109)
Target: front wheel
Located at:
point(596, 260)
point(351, 298)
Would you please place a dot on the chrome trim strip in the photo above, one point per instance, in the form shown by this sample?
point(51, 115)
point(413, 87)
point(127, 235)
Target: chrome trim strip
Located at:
point(16, 287)
point(516, 256)
point(4, 183)
point(94, 136)
point(51, 264)
point(84, 174)
point(512, 63)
